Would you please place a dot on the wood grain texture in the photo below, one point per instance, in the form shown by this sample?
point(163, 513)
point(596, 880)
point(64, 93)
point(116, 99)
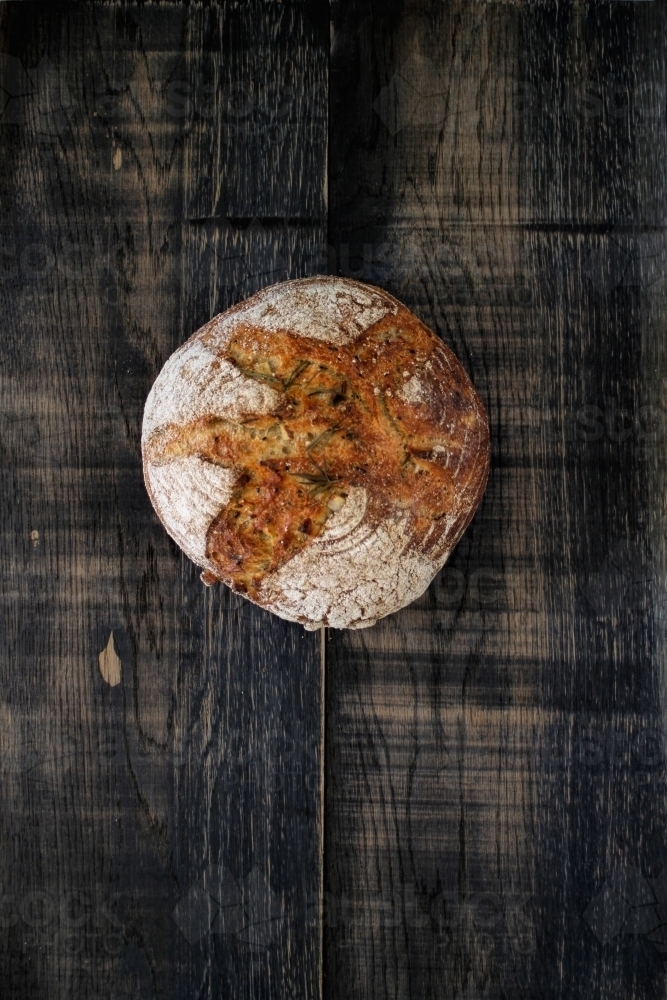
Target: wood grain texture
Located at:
point(601, 857)
point(159, 837)
point(495, 776)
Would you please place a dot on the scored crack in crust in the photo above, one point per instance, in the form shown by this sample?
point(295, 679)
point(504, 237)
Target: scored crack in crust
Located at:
point(341, 421)
point(381, 421)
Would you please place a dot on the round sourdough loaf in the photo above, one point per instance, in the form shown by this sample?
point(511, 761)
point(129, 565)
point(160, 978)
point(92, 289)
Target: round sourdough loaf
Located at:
point(318, 449)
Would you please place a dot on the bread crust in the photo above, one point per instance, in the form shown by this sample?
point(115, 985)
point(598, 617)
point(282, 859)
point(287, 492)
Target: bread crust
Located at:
point(318, 449)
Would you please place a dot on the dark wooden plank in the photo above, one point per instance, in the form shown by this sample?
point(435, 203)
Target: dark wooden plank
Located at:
point(495, 779)
point(597, 165)
point(160, 836)
point(270, 103)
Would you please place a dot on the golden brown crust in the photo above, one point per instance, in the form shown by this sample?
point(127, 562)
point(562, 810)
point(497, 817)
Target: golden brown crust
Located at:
point(341, 420)
point(390, 412)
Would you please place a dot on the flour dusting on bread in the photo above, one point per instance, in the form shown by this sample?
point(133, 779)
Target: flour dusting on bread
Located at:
point(330, 309)
point(190, 493)
point(357, 583)
point(197, 381)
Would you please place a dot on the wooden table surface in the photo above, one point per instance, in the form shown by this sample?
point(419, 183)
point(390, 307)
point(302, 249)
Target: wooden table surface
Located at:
point(467, 800)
